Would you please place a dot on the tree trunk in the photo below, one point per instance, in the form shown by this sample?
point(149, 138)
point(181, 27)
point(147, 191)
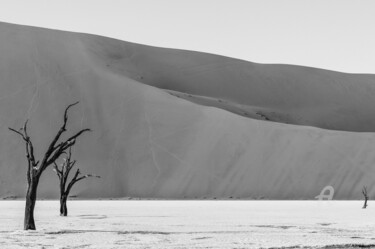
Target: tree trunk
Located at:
point(63, 207)
point(365, 205)
point(29, 223)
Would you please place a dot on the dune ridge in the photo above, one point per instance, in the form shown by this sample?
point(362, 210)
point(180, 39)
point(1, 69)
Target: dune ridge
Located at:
point(181, 124)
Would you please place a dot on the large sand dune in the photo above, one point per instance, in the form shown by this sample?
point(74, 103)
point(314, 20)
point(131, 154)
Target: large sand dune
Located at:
point(166, 125)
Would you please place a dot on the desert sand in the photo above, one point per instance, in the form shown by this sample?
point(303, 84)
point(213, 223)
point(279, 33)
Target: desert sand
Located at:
point(181, 124)
point(191, 224)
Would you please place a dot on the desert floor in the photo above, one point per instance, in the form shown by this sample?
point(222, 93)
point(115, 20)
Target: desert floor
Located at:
point(190, 224)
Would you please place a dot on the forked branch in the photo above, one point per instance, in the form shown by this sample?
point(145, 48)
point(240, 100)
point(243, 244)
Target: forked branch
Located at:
point(32, 164)
point(54, 151)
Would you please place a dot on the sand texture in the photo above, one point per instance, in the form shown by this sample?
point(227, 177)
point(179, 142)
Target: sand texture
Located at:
point(179, 124)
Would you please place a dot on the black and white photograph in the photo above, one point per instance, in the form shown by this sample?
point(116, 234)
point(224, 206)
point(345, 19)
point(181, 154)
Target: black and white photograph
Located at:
point(186, 124)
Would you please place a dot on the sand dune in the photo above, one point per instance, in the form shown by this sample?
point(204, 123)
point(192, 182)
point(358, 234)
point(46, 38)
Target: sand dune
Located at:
point(166, 125)
point(282, 93)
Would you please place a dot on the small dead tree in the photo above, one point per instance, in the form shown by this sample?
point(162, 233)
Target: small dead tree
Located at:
point(36, 169)
point(364, 192)
point(63, 174)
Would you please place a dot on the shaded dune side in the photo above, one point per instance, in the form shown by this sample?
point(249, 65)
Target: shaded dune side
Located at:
point(280, 93)
point(149, 143)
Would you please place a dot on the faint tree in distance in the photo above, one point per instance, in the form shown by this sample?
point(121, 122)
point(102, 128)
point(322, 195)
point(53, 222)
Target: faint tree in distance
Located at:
point(365, 195)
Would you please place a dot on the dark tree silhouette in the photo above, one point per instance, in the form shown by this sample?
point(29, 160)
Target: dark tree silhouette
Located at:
point(365, 195)
point(63, 174)
point(36, 169)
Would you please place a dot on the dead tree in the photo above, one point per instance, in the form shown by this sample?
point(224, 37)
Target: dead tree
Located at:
point(364, 192)
point(63, 174)
point(36, 169)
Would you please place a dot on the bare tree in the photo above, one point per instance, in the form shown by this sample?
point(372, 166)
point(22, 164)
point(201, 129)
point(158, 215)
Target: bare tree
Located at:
point(364, 192)
point(63, 174)
point(35, 169)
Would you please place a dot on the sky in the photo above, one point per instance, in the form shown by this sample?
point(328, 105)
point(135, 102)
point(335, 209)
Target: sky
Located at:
point(332, 34)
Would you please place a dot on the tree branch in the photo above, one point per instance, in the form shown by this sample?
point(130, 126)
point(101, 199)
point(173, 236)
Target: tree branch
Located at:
point(19, 133)
point(51, 147)
point(69, 165)
point(25, 127)
point(70, 185)
point(56, 169)
point(63, 146)
point(86, 176)
point(76, 179)
point(29, 166)
point(63, 127)
point(364, 192)
point(29, 150)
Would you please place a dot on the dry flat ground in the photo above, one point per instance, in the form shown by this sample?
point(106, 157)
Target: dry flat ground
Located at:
point(191, 224)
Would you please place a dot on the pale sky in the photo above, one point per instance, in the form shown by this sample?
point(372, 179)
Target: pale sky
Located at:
point(331, 34)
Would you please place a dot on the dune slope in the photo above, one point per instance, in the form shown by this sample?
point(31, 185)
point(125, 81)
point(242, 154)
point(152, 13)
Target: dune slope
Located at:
point(148, 140)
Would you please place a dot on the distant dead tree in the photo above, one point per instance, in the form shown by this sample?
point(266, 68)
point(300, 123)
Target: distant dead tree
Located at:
point(35, 169)
point(63, 174)
point(364, 192)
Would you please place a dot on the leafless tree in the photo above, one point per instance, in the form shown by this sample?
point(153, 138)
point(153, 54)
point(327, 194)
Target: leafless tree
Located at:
point(364, 192)
point(35, 168)
point(63, 174)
